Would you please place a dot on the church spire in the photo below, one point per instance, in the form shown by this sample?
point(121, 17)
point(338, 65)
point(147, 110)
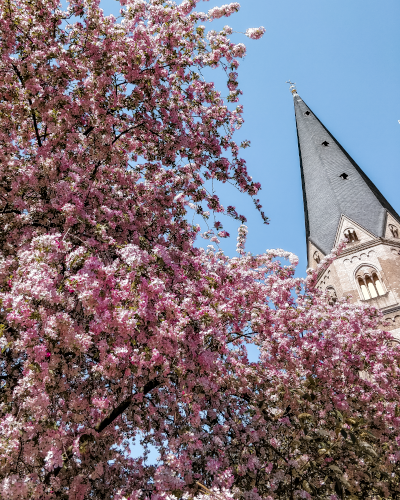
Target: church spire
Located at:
point(333, 184)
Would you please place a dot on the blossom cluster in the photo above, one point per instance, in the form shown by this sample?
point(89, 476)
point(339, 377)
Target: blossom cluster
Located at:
point(224, 10)
point(255, 33)
point(116, 327)
point(241, 239)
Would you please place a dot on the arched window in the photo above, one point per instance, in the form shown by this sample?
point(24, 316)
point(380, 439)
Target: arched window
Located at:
point(394, 230)
point(317, 257)
point(332, 297)
point(351, 235)
point(369, 282)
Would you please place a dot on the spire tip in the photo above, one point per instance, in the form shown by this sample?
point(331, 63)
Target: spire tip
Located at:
point(292, 87)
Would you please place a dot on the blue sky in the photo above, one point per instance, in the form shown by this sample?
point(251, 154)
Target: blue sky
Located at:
point(343, 55)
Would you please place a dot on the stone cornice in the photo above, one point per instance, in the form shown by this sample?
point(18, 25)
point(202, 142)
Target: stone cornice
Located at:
point(363, 246)
point(368, 244)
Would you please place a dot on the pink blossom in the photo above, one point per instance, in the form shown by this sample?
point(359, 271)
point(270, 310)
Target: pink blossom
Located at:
point(224, 10)
point(255, 33)
point(239, 50)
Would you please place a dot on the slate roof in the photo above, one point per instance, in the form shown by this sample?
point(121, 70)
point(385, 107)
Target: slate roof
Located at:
point(327, 195)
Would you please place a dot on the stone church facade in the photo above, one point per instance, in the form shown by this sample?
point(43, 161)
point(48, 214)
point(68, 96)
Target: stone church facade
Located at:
point(341, 202)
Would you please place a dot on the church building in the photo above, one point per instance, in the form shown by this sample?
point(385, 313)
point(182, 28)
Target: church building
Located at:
point(340, 202)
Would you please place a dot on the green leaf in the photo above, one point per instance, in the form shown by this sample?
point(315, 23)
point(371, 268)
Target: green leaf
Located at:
point(371, 435)
point(339, 415)
point(343, 433)
point(353, 438)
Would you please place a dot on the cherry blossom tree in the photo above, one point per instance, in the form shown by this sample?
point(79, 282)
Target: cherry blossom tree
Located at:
point(115, 326)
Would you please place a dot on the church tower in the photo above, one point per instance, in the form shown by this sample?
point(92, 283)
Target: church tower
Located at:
point(340, 202)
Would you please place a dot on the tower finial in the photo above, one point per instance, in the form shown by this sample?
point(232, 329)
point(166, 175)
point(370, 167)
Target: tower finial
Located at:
point(292, 87)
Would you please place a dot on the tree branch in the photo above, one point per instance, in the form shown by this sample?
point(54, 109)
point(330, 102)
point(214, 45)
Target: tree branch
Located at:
point(124, 405)
point(88, 130)
point(119, 410)
point(35, 123)
point(93, 174)
point(126, 131)
point(30, 105)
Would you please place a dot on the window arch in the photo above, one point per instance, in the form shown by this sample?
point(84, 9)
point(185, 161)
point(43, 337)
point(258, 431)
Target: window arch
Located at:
point(369, 283)
point(350, 234)
point(394, 230)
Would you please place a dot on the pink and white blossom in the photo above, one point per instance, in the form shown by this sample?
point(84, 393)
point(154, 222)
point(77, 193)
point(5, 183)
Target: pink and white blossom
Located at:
point(255, 33)
point(115, 327)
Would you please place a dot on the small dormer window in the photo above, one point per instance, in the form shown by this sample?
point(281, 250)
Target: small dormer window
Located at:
point(394, 230)
point(317, 257)
point(307, 113)
point(343, 176)
point(325, 143)
point(350, 235)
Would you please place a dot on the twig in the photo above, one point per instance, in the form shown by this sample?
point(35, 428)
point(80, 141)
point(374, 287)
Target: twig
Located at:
point(209, 492)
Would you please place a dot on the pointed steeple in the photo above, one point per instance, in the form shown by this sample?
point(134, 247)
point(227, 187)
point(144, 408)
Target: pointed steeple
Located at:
point(333, 184)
